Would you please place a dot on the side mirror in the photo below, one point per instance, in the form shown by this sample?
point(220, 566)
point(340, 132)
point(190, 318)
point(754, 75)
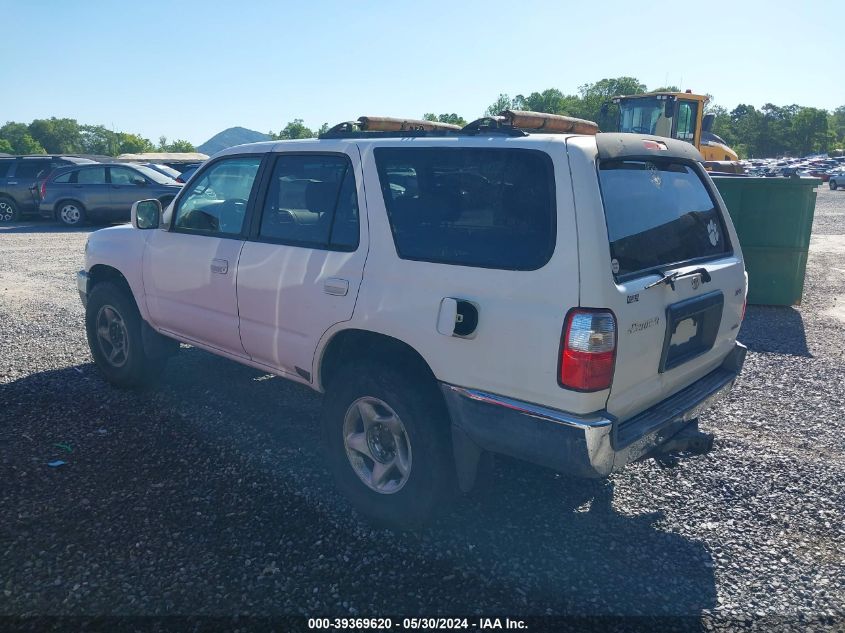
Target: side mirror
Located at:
point(669, 108)
point(139, 181)
point(146, 214)
point(707, 122)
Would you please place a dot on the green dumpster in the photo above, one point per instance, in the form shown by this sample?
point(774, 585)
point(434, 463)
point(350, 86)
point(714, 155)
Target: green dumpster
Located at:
point(773, 218)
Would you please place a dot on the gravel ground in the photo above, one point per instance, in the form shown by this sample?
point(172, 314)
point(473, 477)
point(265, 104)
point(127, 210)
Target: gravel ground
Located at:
point(208, 496)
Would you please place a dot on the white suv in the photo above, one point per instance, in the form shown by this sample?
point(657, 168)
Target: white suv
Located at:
point(572, 300)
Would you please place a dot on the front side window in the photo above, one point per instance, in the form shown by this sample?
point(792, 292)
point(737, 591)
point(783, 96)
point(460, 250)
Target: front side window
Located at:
point(124, 176)
point(216, 201)
point(91, 176)
point(64, 178)
point(312, 201)
point(658, 213)
point(488, 208)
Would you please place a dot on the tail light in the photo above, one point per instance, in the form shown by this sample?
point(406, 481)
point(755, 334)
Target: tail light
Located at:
point(744, 304)
point(588, 350)
point(43, 190)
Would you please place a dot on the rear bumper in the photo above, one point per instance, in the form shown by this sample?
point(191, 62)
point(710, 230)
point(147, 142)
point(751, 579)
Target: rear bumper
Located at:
point(586, 446)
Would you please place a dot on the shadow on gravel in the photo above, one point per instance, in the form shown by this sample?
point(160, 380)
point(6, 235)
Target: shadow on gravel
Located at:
point(775, 329)
point(46, 226)
point(208, 496)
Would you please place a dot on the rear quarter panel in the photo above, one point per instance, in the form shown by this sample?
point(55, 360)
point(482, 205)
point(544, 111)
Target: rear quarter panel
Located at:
point(516, 346)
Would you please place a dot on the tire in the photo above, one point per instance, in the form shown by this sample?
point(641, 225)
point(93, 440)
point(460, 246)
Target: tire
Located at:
point(420, 444)
point(70, 213)
point(113, 326)
point(8, 211)
point(833, 185)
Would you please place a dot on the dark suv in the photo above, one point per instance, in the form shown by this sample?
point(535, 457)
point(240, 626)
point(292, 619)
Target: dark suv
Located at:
point(104, 191)
point(19, 178)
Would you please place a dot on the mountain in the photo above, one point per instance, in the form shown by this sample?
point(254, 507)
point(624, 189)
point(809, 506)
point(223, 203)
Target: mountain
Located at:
point(232, 136)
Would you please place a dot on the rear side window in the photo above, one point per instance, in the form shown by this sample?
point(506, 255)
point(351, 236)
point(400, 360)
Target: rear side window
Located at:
point(489, 208)
point(658, 213)
point(32, 168)
point(312, 201)
point(5, 166)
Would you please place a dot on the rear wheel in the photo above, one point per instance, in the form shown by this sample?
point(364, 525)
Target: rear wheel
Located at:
point(8, 210)
point(71, 213)
point(113, 326)
point(387, 443)
point(833, 185)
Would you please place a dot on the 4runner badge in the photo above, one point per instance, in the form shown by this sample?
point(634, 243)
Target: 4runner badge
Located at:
point(639, 326)
point(713, 233)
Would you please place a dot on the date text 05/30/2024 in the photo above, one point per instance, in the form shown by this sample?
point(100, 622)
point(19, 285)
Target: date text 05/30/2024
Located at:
point(417, 623)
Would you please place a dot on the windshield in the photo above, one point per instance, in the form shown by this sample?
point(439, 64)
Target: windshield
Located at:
point(155, 176)
point(658, 214)
point(644, 116)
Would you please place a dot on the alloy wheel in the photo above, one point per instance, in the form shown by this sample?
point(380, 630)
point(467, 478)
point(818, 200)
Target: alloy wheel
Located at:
point(112, 336)
point(377, 445)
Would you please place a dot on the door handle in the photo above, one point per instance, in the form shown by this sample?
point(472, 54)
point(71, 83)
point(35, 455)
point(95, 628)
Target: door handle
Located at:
point(336, 286)
point(12, 183)
point(219, 266)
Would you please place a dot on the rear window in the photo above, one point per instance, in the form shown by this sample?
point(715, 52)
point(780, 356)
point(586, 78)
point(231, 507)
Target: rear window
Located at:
point(658, 213)
point(489, 208)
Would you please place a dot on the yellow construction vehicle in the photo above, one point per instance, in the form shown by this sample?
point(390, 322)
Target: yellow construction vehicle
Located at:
point(677, 115)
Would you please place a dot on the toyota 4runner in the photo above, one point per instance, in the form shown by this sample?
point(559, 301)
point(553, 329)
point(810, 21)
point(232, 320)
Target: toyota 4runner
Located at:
point(523, 286)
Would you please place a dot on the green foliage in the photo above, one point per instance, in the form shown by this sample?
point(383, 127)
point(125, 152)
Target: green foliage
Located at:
point(293, 130)
point(5, 147)
point(18, 137)
point(504, 102)
point(323, 129)
point(176, 146)
point(57, 136)
point(452, 118)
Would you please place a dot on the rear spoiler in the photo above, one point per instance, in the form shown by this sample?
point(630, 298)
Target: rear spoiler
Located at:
point(620, 145)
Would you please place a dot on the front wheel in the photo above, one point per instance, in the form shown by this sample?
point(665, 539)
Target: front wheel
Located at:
point(387, 443)
point(71, 213)
point(833, 185)
point(8, 210)
point(113, 326)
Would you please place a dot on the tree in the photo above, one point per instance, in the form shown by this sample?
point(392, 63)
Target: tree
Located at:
point(96, 139)
point(137, 144)
point(180, 145)
point(57, 136)
point(810, 132)
point(504, 102)
point(323, 129)
point(453, 118)
point(293, 130)
point(18, 137)
point(551, 101)
point(176, 146)
point(5, 147)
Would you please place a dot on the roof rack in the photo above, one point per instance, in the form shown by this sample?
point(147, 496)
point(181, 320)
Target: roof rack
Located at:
point(507, 122)
point(388, 126)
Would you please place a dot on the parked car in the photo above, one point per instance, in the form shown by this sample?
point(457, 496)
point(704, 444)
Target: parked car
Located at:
point(569, 300)
point(102, 192)
point(186, 174)
point(164, 169)
point(836, 179)
point(19, 182)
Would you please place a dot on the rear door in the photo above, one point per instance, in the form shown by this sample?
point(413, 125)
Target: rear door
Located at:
point(22, 183)
point(651, 212)
point(89, 186)
point(301, 269)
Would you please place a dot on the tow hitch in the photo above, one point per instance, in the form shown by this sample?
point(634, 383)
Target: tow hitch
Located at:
point(685, 443)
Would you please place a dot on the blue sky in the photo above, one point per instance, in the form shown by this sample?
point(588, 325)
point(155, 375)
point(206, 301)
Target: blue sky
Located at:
point(188, 69)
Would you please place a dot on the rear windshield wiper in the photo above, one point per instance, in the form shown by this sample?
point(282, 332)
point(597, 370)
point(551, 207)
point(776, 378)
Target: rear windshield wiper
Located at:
point(672, 277)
